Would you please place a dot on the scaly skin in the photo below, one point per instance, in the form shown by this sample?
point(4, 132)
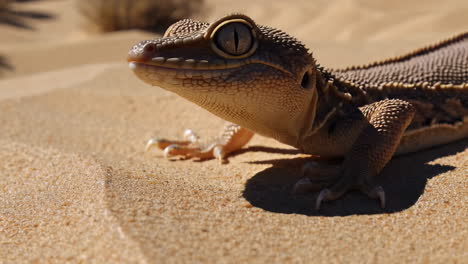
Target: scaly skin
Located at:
point(266, 82)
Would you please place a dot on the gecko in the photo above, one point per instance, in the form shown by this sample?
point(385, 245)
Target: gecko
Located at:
point(264, 81)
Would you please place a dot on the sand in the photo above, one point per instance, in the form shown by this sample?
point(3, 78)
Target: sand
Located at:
point(77, 186)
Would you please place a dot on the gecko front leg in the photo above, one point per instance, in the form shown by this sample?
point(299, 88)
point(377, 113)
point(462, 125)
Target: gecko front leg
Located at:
point(379, 133)
point(232, 138)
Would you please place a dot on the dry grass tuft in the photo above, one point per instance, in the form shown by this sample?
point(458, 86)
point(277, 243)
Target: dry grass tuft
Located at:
point(4, 4)
point(11, 14)
point(152, 15)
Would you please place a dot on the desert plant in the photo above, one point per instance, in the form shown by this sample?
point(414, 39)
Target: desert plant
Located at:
point(153, 15)
point(4, 4)
point(11, 15)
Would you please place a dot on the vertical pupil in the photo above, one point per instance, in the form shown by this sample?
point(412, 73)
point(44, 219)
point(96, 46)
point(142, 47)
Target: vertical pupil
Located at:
point(236, 39)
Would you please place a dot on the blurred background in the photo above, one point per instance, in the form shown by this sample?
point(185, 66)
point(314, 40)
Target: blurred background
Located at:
point(37, 34)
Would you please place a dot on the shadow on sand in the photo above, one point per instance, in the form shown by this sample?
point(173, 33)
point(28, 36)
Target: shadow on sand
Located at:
point(404, 180)
point(21, 18)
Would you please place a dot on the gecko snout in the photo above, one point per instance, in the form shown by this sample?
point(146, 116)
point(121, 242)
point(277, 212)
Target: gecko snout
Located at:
point(141, 52)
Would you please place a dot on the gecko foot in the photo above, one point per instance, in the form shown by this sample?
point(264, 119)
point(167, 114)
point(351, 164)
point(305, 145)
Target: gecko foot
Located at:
point(188, 148)
point(332, 182)
point(328, 195)
point(316, 176)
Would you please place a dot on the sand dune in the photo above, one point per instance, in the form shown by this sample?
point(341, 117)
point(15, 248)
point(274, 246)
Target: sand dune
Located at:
point(77, 185)
point(53, 200)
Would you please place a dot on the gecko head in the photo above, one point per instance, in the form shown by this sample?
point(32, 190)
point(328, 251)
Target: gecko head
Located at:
point(256, 76)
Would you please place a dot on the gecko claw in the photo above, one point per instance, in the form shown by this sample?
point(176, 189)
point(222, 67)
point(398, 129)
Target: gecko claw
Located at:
point(219, 154)
point(301, 186)
point(153, 142)
point(150, 144)
point(169, 149)
point(380, 193)
point(191, 136)
point(323, 196)
point(376, 192)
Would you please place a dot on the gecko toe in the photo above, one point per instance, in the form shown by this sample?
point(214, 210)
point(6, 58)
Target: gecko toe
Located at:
point(328, 195)
point(323, 196)
point(302, 186)
point(159, 142)
point(220, 154)
point(381, 195)
point(378, 193)
point(169, 150)
point(151, 143)
point(191, 136)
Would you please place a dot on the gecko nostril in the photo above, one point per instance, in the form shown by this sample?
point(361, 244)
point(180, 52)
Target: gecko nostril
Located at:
point(150, 48)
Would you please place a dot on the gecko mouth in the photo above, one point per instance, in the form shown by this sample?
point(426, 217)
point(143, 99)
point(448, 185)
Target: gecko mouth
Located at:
point(163, 73)
point(197, 65)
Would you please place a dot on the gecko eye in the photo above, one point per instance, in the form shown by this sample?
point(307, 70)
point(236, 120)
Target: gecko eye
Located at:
point(234, 39)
